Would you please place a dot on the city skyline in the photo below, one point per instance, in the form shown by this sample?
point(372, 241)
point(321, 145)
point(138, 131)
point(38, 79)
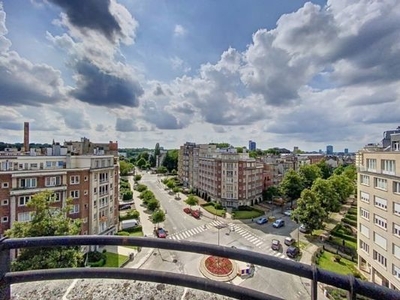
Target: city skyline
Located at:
point(203, 72)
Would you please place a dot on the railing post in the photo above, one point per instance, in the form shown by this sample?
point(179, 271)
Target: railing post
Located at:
point(5, 292)
point(314, 283)
point(351, 294)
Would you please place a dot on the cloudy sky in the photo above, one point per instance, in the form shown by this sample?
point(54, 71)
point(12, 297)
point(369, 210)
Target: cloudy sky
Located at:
point(280, 72)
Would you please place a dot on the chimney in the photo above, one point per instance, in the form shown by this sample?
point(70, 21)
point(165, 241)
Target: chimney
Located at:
point(26, 136)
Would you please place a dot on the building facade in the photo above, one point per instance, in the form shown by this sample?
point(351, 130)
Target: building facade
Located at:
point(91, 181)
point(329, 150)
point(378, 188)
point(252, 146)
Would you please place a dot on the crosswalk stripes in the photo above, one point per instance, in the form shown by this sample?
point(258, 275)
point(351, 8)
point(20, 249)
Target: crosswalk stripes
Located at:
point(193, 231)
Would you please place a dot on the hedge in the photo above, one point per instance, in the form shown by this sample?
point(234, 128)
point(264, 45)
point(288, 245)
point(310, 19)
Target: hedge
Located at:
point(350, 222)
point(351, 217)
point(97, 264)
point(344, 236)
point(122, 233)
point(137, 228)
point(352, 211)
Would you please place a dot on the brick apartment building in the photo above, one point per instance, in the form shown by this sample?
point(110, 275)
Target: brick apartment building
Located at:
point(90, 180)
point(222, 175)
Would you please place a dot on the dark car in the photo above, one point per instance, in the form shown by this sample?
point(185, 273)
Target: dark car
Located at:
point(292, 251)
point(276, 245)
point(161, 233)
point(125, 207)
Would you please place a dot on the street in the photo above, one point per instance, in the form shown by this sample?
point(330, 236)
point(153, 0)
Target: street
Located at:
point(245, 235)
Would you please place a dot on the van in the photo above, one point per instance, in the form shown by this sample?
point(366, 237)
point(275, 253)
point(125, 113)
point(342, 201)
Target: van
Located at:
point(129, 224)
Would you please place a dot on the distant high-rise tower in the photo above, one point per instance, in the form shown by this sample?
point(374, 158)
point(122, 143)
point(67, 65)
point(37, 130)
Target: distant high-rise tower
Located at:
point(26, 136)
point(346, 151)
point(329, 150)
point(252, 146)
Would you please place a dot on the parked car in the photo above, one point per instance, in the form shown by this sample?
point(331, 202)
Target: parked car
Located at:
point(303, 229)
point(262, 221)
point(289, 241)
point(288, 212)
point(196, 214)
point(187, 210)
point(161, 233)
point(125, 207)
point(292, 251)
point(276, 245)
point(278, 223)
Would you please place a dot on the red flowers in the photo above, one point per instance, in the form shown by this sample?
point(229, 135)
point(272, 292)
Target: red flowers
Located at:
point(218, 265)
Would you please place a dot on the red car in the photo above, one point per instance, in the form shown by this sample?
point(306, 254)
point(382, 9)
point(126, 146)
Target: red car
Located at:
point(196, 214)
point(187, 210)
point(161, 233)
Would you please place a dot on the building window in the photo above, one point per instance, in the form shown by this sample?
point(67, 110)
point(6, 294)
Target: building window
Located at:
point(396, 272)
point(380, 241)
point(364, 213)
point(364, 246)
point(74, 209)
point(103, 202)
point(95, 190)
point(396, 230)
point(396, 251)
point(4, 185)
point(388, 167)
point(364, 230)
point(396, 187)
point(74, 179)
point(103, 177)
point(74, 194)
point(381, 183)
point(396, 208)
point(4, 219)
point(53, 181)
point(364, 197)
point(27, 183)
point(25, 217)
point(4, 202)
point(23, 200)
point(381, 222)
point(57, 197)
point(371, 165)
point(379, 258)
point(380, 203)
point(364, 179)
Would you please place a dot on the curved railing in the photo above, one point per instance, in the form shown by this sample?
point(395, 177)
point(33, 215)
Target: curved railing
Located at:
point(352, 285)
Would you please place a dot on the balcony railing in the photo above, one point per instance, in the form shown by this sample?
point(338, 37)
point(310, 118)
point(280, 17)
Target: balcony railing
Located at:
point(351, 284)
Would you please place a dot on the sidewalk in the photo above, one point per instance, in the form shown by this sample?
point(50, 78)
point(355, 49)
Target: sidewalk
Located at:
point(306, 256)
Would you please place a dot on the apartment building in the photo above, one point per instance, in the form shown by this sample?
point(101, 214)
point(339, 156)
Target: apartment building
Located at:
point(379, 212)
point(90, 180)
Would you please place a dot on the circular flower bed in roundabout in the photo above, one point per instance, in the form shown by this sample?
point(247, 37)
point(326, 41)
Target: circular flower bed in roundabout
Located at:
point(218, 268)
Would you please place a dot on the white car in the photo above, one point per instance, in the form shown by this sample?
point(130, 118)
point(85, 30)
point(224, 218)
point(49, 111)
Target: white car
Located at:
point(288, 213)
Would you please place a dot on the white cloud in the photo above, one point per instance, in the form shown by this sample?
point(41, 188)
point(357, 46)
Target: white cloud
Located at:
point(179, 30)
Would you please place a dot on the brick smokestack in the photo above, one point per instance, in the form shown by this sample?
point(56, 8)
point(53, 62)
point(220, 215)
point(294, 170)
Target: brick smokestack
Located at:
point(26, 136)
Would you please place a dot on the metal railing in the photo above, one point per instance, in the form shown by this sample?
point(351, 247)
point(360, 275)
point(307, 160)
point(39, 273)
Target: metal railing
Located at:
point(351, 284)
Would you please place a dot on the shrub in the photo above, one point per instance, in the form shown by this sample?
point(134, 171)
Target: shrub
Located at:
point(128, 195)
point(122, 233)
point(97, 264)
point(338, 258)
point(134, 229)
point(344, 236)
point(218, 205)
point(352, 211)
point(245, 208)
point(351, 217)
point(153, 204)
point(351, 222)
point(141, 187)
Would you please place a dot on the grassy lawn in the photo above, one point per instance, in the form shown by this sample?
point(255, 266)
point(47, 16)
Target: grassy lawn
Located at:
point(245, 214)
point(326, 261)
point(115, 260)
point(211, 209)
point(338, 241)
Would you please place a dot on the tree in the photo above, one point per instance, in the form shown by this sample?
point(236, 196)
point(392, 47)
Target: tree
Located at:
point(47, 220)
point(171, 160)
point(162, 170)
point(309, 173)
point(138, 177)
point(152, 161)
point(141, 163)
point(153, 204)
point(157, 217)
point(309, 211)
point(127, 195)
point(125, 167)
point(221, 145)
point(239, 149)
point(326, 169)
point(350, 171)
point(292, 185)
point(343, 186)
point(192, 200)
point(269, 193)
point(326, 195)
point(157, 150)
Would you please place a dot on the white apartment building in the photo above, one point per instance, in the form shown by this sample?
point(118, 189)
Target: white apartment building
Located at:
point(379, 213)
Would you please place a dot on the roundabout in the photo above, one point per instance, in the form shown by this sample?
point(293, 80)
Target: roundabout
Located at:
point(218, 268)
